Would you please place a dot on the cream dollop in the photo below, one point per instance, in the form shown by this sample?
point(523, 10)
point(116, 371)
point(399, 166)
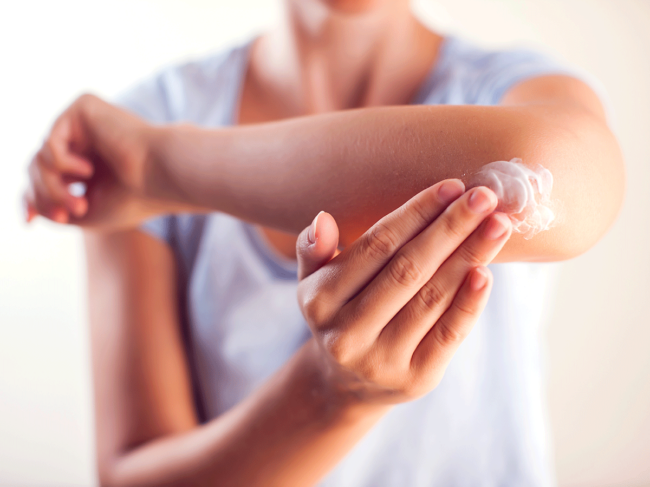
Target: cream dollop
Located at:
point(524, 193)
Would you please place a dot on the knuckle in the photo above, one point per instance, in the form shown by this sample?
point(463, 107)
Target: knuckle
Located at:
point(374, 367)
point(371, 371)
point(419, 211)
point(432, 296)
point(466, 308)
point(471, 254)
point(339, 346)
point(314, 308)
point(451, 226)
point(381, 242)
point(314, 312)
point(404, 270)
point(448, 334)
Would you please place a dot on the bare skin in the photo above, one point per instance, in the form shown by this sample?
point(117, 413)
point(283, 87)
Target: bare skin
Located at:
point(309, 414)
point(326, 398)
point(262, 170)
point(272, 94)
point(556, 121)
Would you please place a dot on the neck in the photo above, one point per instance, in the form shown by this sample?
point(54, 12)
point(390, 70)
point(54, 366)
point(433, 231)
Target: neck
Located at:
point(321, 59)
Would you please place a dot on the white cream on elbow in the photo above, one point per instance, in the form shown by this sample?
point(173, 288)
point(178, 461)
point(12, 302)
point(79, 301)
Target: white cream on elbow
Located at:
point(524, 193)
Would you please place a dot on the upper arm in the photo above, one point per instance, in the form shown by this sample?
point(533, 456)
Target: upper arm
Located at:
point(141, 377)
point(567, 133)
point(556, 89)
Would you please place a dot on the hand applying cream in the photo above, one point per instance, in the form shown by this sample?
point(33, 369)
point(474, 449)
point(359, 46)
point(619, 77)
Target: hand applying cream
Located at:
point(523, 193)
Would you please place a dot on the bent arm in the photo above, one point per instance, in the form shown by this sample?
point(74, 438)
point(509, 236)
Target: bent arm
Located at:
point(291, 431)
point(359, 165)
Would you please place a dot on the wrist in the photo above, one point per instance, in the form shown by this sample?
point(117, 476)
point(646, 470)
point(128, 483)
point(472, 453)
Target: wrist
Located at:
point(155, 184)
point(158, 182)
point(338, 395)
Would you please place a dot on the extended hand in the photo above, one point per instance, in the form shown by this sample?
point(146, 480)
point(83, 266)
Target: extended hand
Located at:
point(391, 309)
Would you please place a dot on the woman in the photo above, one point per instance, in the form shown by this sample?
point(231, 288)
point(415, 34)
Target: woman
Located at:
point(205, 370)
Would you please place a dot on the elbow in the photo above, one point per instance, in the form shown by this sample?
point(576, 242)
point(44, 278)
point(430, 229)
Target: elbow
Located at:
point(107, 478)
point(109, 471)
point(118, 471)
point(589, 183)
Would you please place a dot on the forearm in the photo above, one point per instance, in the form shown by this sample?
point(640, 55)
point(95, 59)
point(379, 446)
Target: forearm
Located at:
point(290, 432)
point(359, 165)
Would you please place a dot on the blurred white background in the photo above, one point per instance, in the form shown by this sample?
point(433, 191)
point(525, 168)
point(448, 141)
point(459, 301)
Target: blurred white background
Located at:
point(598, 337)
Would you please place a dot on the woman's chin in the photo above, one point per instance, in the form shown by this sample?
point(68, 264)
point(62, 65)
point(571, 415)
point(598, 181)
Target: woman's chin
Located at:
point(352, 6)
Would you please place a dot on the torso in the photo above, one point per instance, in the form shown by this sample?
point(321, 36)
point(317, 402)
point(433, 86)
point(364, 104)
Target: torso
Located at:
point(483, 425)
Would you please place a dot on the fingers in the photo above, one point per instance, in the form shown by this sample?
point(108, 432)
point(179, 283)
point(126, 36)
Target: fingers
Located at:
point(49, 194)
point(360, 262)
point(435, 351)
point(49, 174)
point(42, 198)
point(59, 160)
point(411, 324)
point(56, 157)
point(417, 261)
point(316, 244)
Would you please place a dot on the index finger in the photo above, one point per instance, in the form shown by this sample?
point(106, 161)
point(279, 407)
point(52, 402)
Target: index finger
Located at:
point(360, 262)
point(417, 261)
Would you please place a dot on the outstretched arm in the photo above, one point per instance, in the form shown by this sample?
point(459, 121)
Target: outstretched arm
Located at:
point(358, 165)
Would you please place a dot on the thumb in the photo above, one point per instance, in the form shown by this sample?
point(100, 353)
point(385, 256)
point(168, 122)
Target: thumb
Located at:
point(317, 244)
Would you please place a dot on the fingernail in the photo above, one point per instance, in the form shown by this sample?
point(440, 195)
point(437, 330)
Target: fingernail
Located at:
point(480, 200)
point(496, 226)
point(312, 233)
point(478, 279)
point(450, 190)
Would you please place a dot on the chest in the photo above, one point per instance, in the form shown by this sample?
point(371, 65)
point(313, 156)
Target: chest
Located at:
point(243, 313)
point(256, 105)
